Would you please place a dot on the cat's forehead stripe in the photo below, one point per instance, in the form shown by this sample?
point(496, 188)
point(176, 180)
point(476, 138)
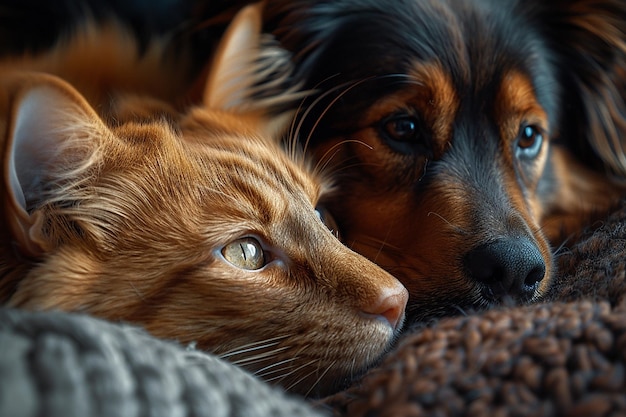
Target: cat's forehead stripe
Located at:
point(264, 179)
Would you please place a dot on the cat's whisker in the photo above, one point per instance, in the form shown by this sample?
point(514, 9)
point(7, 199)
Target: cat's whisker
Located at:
point(250, 360)
point(302, 377)
point(322, 375)
point(324, 166)
point(258, 345)
point(295, 128)
point(294, 371)
point(275, 368)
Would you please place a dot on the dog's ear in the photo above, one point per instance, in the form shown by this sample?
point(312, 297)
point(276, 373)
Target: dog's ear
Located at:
point(52, 134)
point(251, 75)
point(311, 29)
point(588, 40)
point(302, 27)
point(332, 43)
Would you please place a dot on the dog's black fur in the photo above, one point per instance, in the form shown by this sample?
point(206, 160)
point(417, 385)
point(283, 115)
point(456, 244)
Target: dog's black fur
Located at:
point(467, 137)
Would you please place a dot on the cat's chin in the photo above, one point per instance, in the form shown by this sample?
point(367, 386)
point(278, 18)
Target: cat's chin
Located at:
point(333, 382)
point(345, 375)
point(320, 360)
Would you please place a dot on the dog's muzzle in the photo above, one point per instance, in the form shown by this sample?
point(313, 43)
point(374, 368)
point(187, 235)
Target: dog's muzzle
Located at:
point(506, 267)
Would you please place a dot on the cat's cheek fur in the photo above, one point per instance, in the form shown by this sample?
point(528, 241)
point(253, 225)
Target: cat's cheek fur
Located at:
point(269, 316)
point(261, 319)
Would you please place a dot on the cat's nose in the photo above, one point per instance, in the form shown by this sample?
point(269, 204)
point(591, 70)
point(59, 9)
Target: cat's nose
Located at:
point(389, 305)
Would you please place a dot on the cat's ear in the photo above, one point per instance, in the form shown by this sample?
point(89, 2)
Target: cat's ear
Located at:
point(250, 74)
point(49, 134)
point(231, 76)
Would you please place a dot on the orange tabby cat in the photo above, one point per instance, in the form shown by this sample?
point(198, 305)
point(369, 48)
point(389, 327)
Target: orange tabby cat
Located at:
point(196, 225)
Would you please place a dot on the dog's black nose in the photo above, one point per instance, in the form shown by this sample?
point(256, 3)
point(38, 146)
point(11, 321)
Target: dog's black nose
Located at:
point(511, 266)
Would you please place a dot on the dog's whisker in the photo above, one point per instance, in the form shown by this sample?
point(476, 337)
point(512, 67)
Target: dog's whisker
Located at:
point(562, 249)
point(325, 160)
point(384, 242)
point(423, 170)
point(460, 309)
point(344, 89)
point(298, 127)
point(397, 257)
point(456, 228)
point(327, 108)
point(295, 128)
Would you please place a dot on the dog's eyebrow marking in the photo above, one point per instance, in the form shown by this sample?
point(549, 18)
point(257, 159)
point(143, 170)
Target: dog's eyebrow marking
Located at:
point(442, 104)
point(517, 103)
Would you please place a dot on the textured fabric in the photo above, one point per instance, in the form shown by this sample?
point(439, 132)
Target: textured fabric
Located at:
point(563, 357)
point(63, 365)
point(545, 360)
point(595, 267)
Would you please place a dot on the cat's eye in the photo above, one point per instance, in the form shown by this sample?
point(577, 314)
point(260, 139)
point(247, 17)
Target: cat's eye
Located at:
point(326, 218)
point(245, 253)
point(529, 142)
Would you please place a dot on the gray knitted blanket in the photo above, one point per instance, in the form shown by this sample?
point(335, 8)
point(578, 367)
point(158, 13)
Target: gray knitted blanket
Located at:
point(63, 365)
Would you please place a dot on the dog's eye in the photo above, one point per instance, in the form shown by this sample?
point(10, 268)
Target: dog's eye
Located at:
point(401, 128)
point(245, 253)
point(328, 220)
point(402, 133)
point(529, 142)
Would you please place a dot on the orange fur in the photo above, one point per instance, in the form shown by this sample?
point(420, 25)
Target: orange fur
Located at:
point(124, 214)
point(100, 60)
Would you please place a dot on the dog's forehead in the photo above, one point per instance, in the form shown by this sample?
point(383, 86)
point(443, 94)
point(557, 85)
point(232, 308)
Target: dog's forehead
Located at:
point(453, 31)
point(475, 42)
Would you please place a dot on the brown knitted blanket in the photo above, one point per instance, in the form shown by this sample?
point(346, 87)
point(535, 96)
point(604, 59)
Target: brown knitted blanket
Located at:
point(563, 357)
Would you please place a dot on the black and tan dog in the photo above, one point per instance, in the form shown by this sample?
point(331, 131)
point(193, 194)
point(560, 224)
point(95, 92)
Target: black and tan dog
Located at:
point(468, 138)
